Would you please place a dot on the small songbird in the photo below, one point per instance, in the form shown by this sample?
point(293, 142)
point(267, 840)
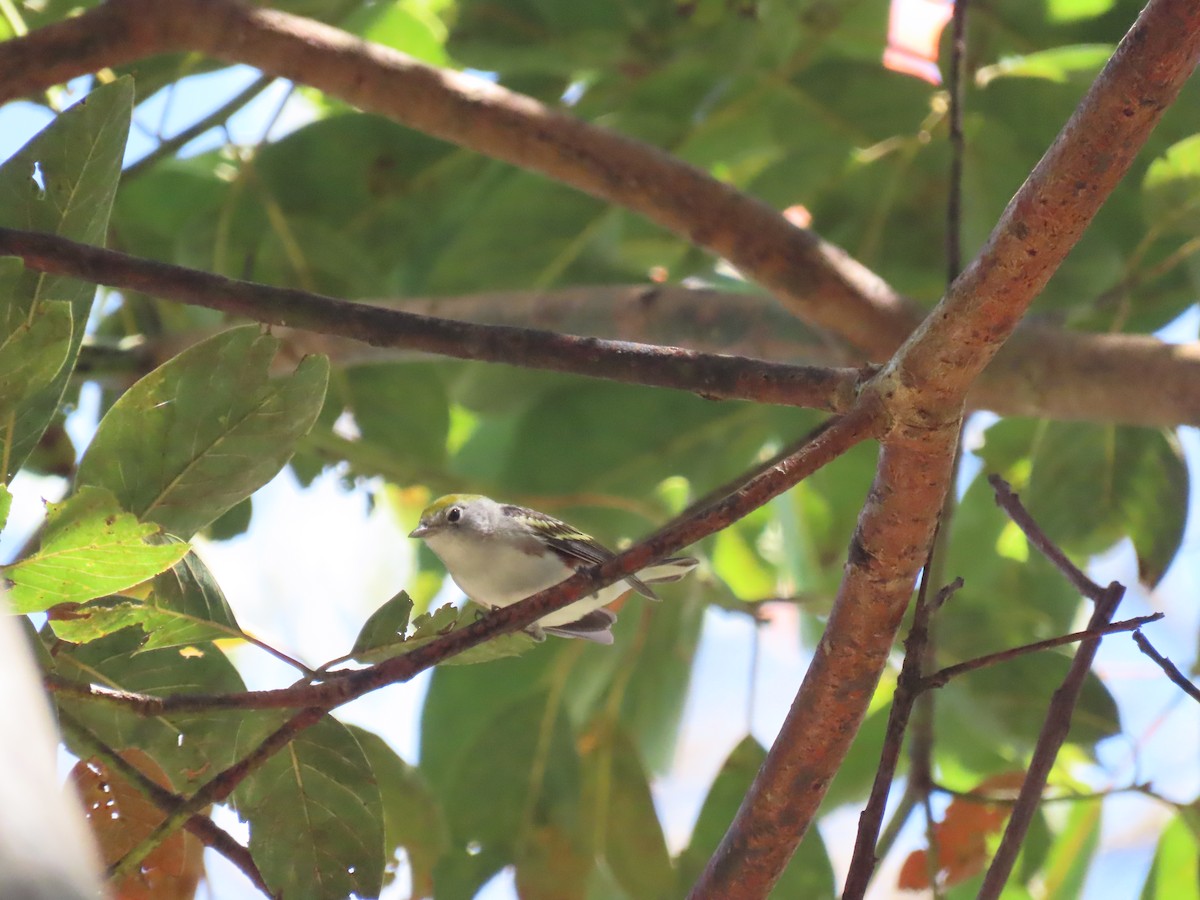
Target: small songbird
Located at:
point(498, 554)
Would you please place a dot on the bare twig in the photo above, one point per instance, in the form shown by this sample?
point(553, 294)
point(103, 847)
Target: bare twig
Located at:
point(824, 445)
point(709, 375)
point(1171, 670)
point(1058, 715)
point(197, 128)
point(1008, 500)
point(942, 676)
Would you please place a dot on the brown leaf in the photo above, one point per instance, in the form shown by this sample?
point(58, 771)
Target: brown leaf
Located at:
point(120, 817)
point(962, 835)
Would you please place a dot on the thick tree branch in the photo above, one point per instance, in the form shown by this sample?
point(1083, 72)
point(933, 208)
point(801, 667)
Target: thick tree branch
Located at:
point(709, 375)
point(924, 388)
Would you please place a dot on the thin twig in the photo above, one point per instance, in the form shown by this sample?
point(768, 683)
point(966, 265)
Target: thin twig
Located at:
point(942, 676)
point(1008, 500)
point(1057, 723)
point(1073, 797)
point(824, 445)
point(1171, 670)
point(216, 117)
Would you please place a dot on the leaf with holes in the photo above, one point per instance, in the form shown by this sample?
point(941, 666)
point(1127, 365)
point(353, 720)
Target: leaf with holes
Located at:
point(90, 548)
point(121, 817)
point(205, 430)
point(62, 182)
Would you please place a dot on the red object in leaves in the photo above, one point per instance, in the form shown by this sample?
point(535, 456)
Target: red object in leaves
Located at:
point(914, 29)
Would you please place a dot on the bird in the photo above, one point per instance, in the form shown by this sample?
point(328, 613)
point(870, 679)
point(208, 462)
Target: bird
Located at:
point(500, 553)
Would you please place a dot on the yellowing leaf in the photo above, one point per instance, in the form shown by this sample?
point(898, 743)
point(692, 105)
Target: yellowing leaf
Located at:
point(90, 548)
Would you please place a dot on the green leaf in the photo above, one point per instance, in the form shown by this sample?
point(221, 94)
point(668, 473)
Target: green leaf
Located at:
point(429, 627)
point(663, 642)
point(191, 747)
point(655, 427)
point(403, 410)
point(205, 430)
point(5, 505)
point(1175, 871)
point(412, 813)
point(1061, 64)
point(625, 822)
point(1093, 484)
point(809, 874)
point(90, 548)
point(33, 352)
point(1011, 594)
point(385, 626)
point(321, 788)
point(78, 159)
point(185, 606)
point(1171, 188)
point(518, 774)
point(413, 30)
point(450, 719)
point(1004, 706)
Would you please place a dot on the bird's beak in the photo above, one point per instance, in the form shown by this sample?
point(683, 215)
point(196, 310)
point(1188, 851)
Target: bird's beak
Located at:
point(420, 531)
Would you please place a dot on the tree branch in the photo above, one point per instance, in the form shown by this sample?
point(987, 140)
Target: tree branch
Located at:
point(702, 520)
point(1042, 371)
point(923, 387)
point(710, 375)
point(1051, 738)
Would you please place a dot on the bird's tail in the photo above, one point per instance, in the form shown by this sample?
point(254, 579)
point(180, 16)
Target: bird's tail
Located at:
point(666, 570)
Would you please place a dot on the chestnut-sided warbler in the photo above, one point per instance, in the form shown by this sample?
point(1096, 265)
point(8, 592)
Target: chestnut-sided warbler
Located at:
point(498, 554)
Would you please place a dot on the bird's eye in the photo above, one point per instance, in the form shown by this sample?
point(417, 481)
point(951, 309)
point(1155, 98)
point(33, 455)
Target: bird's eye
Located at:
point(453, 514)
